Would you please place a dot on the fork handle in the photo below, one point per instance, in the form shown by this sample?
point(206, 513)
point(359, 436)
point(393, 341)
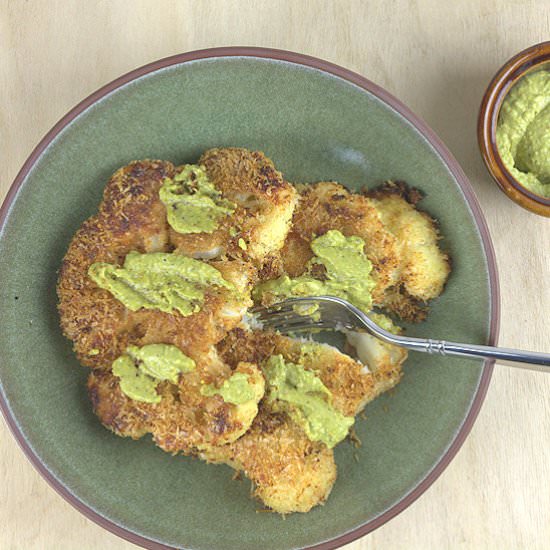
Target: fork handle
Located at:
point(531, 360)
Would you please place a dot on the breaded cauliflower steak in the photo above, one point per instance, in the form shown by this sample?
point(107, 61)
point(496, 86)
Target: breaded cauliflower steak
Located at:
point(401, 242)
point(268, 234)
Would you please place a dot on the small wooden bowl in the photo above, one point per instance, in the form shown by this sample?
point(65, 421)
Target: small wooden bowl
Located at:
point(534, 58)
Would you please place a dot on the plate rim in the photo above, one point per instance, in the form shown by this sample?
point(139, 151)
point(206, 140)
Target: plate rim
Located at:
point(447, 158)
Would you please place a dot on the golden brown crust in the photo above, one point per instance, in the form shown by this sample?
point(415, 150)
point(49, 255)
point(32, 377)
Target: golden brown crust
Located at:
point(398, 188)
point(184, 421)
point(290, 473)
point(131, 217)
point(328, 205)
point(401, 303)
point(113, 408)
point(131, 210)
point(264, 205)
point(423, 268)
point(236, 170)
point(351, 384)
point(400, 241)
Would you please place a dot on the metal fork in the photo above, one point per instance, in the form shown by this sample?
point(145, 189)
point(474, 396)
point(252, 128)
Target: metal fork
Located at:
point(330, 312)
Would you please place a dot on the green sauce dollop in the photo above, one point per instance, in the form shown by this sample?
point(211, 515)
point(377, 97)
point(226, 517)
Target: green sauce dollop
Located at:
point(237, 389)
point(307, 400)
point(193, 204)
point(348, 273)
point(141, 369)
point(523, 132)
point(158, 280)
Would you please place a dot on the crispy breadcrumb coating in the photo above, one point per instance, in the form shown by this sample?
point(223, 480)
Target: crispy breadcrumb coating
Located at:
point(268, 234)
point(351, 383)
point(131, 217)
point(184, 421)
point(290, 473)
point(265, 203)
point(329, 205)
point(423, 268)
point(400, 241)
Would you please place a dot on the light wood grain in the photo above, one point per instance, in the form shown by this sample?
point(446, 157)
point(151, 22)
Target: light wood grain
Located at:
point(437, 60)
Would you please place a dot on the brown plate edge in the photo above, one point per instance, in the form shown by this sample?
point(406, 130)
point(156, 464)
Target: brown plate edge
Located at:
point(448, 159)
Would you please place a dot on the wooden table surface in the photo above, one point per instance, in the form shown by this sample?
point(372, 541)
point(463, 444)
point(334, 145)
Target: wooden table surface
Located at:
point(495, 493)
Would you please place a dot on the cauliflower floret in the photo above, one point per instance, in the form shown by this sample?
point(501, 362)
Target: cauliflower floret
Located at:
point(264, 206)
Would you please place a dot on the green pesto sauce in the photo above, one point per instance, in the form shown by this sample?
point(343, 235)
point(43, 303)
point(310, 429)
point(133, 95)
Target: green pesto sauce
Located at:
point(133, 383)
point(161, 361)
point(141, 369)
point(307, 400)
point(523, 132)
point(348, 273)
point(237, 389)
point(193, 204)
point(311, 350)
point(158, 280)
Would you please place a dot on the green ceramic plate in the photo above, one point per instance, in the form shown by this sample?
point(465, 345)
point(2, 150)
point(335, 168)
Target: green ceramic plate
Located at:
point(317, 122)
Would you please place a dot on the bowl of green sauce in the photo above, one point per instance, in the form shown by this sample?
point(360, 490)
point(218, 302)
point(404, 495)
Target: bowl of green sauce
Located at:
point(514, 128)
